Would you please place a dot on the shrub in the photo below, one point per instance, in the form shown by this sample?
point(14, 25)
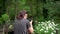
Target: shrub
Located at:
point(47, 27)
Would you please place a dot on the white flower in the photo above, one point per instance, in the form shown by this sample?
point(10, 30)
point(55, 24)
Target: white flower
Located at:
point(46, 28)
point(46, 31)
point(38, 22)
point(45, 24)
point(56, 25)
point(57, 29)
point(42, 22)
point(52, 33)
point(41, 29)
point(48, 22)
point(52, 28)
point(53, 23)
point(10, 26)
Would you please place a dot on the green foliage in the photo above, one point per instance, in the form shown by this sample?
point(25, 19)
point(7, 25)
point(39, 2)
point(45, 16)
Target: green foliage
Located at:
point(53, 9)
point(0, 21)
point(1, 8)
point(33, 7)
point(36, 5)
point(4, 19)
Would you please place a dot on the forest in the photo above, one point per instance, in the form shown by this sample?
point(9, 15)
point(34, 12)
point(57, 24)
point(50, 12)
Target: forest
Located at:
point(41, 11)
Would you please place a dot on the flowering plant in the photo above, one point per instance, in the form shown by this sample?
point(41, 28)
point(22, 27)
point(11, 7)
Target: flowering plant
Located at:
point(47, 27)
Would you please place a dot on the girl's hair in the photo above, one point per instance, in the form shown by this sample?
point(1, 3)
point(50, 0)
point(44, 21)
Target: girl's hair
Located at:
point(21, 14)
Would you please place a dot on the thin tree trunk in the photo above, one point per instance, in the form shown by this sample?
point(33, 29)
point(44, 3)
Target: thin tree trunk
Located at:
point(37, 7)
point(56, 31)
point(31, 7)
point(3, 30)
point(4, 11)
point(6, 29)
point(16, 8)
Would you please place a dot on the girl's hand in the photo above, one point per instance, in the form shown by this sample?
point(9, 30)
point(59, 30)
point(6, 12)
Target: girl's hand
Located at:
point(31, 21)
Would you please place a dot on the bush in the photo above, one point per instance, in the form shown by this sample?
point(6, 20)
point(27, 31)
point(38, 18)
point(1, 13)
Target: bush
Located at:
point(47, 27)
point(4, 19)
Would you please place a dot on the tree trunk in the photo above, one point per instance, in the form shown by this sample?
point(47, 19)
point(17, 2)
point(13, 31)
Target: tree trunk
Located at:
point(37, 7)
point(6, 29)
point(3, 30)
point(16, 8)
point(56, 31)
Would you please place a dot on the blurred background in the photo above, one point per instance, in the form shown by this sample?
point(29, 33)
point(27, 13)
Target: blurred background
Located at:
point(38, 10)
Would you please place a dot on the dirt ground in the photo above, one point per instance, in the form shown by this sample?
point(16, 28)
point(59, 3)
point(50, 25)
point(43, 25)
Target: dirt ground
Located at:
point(1, 32)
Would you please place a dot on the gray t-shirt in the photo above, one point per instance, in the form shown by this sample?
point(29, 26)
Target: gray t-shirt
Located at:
point(21, 26)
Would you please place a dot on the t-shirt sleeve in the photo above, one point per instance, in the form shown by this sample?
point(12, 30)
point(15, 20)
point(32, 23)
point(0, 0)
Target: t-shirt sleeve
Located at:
point(28, 24)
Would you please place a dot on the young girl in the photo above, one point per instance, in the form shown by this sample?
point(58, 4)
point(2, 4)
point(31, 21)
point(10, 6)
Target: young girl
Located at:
point(22, 24)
